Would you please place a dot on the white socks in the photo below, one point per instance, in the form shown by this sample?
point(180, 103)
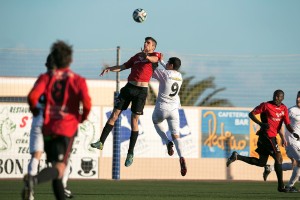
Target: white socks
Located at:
point(66, 174)
point(178, 146)
point(33, 166)
point(294, 177)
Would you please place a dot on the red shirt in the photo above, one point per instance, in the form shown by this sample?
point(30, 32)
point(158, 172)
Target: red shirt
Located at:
point(141, 68)
point(274, 115)
point(64, 91)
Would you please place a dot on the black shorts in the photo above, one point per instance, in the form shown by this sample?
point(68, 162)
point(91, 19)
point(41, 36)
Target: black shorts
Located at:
point(58, 148)
point(267, 146)
point(134, 94)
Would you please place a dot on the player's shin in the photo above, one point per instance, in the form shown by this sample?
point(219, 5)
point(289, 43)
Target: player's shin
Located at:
point(294, 177)
point(133, 138)
point(33, 166)
point(178, 145)
point(105, 132)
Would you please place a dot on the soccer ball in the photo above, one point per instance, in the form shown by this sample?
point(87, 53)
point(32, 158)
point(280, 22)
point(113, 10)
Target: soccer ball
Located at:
point(139, 15)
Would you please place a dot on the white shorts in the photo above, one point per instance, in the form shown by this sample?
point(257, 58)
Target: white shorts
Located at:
point(293, 149)
point(172, 117)
point(36, 142)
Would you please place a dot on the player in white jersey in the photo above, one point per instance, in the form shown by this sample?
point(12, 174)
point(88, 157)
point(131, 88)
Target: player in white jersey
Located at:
point(167, 105)
point(36, 140)
point(292, 149)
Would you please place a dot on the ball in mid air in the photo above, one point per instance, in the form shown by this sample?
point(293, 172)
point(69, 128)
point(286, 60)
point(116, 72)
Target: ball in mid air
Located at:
point(139, 15)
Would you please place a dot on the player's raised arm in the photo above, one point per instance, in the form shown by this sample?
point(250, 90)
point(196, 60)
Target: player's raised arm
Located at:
point(116, 68)
point(161, 61)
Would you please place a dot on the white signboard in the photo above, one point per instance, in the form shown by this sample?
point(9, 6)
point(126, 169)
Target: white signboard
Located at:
point(15, 124)
point(149, 144)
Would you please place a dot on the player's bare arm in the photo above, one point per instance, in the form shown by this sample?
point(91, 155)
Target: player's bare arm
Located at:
point(116, 68)
point(282, 137)
point(264, 126)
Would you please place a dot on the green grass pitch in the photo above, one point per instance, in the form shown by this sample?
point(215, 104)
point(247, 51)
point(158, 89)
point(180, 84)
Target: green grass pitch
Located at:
point(153, 189)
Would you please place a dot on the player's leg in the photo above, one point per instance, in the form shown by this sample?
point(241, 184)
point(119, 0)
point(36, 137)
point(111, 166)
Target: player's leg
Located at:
point(292, 151)
point(285, 167)
point(54, 147)
point(139, 95)
point(173, 123)
point(107, 129)
point(68, 193)
point(294, 177)
point(121, 103)
point(262, 149)
point(158, 117)
point(274, 151)
point(36, 144)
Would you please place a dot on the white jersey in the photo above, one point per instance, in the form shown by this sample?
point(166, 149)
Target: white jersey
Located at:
point(293, 148)
point(170, 82)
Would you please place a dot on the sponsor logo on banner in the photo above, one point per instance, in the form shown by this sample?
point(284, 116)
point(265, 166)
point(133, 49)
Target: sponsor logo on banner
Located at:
point(15, 125)
point(224, 131)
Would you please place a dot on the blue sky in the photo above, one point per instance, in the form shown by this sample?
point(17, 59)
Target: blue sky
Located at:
point(222, 29)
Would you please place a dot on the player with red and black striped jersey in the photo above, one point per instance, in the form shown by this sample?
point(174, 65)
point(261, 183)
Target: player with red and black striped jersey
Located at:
point(273, 114)
point(135, 92)
point(292, 148)
point(64, 91)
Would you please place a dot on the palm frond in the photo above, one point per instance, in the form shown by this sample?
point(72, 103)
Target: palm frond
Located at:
point(192, 92)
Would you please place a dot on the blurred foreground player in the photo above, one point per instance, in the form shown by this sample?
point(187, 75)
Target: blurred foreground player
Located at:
point(64, 92)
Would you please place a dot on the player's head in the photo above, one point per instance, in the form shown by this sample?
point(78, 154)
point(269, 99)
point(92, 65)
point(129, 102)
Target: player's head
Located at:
point(50, 62)
point(150, 43)
point(278, 97)
point(62, 54)
point(298, 99)
point(175, 63)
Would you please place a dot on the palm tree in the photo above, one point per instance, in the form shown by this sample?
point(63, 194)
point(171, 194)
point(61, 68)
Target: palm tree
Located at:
point(190, 93)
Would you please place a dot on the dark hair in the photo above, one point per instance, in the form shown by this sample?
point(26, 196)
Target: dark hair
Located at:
point(50, 62)
point(176, 62)
point(152, 39)
point(298, 94)
point(277, 92)
point(62, 54)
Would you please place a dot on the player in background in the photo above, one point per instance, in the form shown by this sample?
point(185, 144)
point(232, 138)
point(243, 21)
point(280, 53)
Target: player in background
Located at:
point(134, 92)
point(36, 141)
point(273, 114)
point(64, 92)
point(167, 105)
point(292, 148)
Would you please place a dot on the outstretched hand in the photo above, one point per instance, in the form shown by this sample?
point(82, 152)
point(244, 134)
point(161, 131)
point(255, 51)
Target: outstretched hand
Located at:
point(105, 70)
point(284, 142)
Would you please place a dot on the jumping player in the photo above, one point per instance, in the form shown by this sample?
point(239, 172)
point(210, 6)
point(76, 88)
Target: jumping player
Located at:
point(134, 92)
point(64, 92)
point(167, 105)
point(273, 114)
